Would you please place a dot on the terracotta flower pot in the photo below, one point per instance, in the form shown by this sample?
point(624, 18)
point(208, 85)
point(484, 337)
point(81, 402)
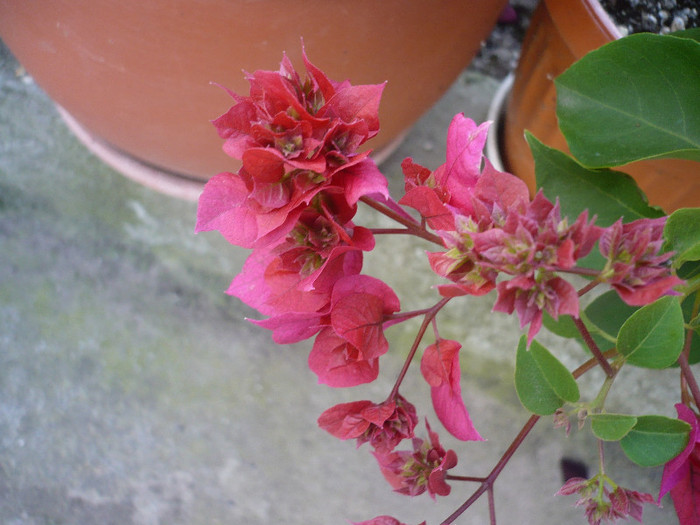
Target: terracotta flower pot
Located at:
point(137, 76)
point(561, 32)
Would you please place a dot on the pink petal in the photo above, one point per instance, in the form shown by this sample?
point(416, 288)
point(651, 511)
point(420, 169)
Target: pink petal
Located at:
point(358, 102)
point(343, 421)
point(234, 126)
point(380, 520)
point(337, 364)
point(501, 188)
point(442, 371)
point(465, 145)
point(357, 318)
point(686, 494)
point(427, 202)
point(438, 360)
point(675, 469)
point(222, 207)
point(292, 327)
point(644, 295)
point(368, 285)
point(363, 178)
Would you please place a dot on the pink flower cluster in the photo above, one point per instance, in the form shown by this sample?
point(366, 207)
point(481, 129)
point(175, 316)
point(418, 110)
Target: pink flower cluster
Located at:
point(383, 425)
point(492, 229)
point(293, 202)
point(603, 505)
point(412, 472)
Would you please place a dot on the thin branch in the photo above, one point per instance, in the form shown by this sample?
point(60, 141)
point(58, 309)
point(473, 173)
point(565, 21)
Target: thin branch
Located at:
point(592, 363)
point(689, 376)
point(588, 287)
point(412, 225)
point(465, 478)
point(588, 338)
point(492, 506)
point(394, 231)
point(686, 372)
point(430, 314)
point(488, 481)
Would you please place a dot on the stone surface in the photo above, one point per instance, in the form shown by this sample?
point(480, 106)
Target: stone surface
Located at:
point(133, 391)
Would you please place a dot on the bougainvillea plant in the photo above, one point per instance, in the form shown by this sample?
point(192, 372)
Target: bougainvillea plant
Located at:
point(294, 199)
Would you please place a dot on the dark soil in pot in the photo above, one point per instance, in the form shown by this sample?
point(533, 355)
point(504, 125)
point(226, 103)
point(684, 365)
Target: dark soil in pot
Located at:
point(653, 16)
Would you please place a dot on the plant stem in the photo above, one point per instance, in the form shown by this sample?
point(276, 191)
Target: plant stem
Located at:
point(488, 481)
point(413, 227)
point(491, 478)
point(389, 231)
point(404, 316)
point(686, 372)
point(588, 338)
point(465, 478)
point(429, 315)
point(588, 287)
point(690, 378)
point(492, 506)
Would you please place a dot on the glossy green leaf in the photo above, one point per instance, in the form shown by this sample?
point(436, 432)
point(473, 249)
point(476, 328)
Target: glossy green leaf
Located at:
point(608, 313)
point(607, 194)
point(611, 427)
point(655, 440)
point(634, 98)
point(653, 336)
point(543, 384)
point(555, 373)
point(693, 33)
point(682, 234)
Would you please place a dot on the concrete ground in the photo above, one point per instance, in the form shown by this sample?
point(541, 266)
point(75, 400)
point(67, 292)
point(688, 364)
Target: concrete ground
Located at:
point(132, 390)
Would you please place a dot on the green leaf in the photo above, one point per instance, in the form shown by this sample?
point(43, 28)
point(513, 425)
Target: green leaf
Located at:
point(653, 336)
point(543, 384)
point(689, 270)
point(564, 326)
point(611, 427)
point(555, 373)
point(655, 440)
point(692, 33)
point(634, 98)
point(608, 194)
point(608, 313)
point(682, 235)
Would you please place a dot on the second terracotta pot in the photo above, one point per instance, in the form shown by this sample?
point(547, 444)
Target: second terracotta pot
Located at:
point(560, 33)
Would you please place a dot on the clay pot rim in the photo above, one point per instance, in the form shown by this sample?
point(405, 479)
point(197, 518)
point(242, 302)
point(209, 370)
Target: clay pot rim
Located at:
point(162, 181)
point(496, 114)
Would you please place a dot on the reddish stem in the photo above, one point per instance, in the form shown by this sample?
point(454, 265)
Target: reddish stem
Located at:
point(491, 478)
point(492, 506)
point(687, 372)
point(413, 227)
point(390, 231)
point(588, 338)
point(429, 315)
point(488, 481)
point(588, 287)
